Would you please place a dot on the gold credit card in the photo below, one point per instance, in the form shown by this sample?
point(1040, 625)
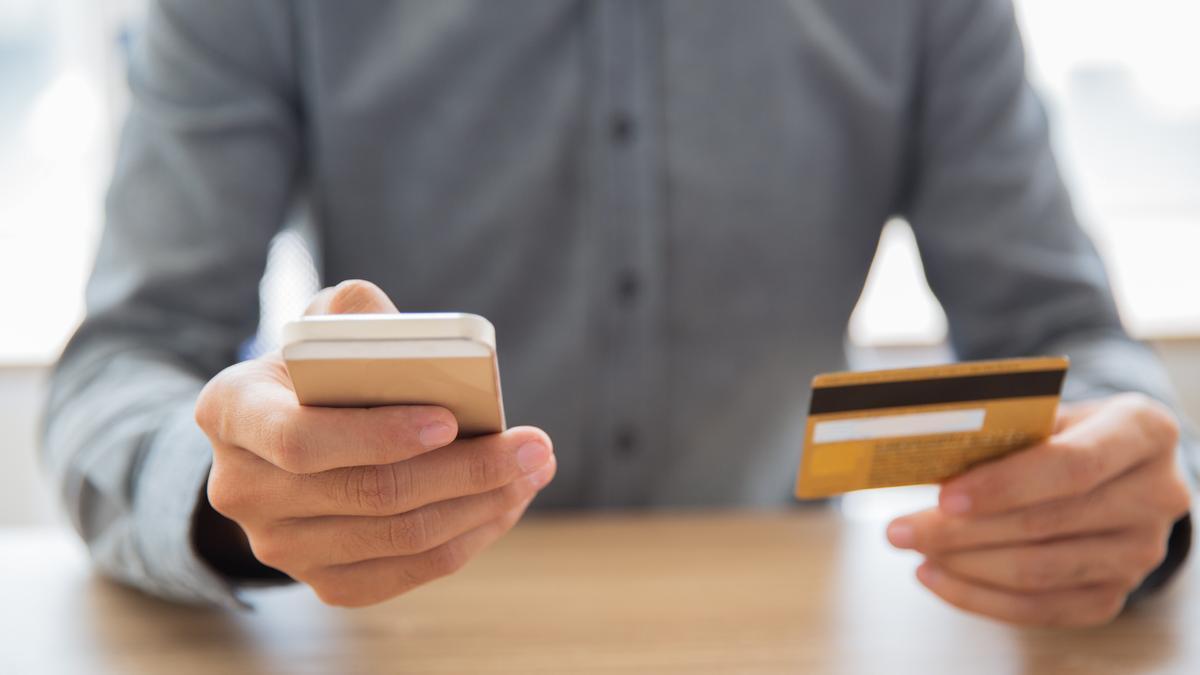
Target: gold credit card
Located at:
point(923, 425)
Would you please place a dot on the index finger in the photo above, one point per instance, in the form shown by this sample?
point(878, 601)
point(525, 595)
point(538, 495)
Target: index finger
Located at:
point(253, 410)
point(1087, 453)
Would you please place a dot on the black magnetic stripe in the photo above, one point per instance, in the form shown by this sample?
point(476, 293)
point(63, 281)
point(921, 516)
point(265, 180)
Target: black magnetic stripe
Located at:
point(872, 395)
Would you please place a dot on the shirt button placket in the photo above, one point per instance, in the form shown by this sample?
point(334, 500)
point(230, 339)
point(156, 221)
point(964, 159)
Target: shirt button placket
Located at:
point(625, 442)
point(622, 128)
point(628, 287)
point(628, 230)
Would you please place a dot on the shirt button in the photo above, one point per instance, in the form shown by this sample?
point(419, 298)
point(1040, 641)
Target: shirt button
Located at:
point(622, 128)
point(628, 286)
point(625, 442)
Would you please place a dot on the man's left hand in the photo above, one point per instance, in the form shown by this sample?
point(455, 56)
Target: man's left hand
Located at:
point(1060, 533)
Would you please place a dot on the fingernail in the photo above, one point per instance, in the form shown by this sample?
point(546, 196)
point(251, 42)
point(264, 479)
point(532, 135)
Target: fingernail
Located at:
point(929, 573)
point(956, 504)
point(436, 435)
point(532, 456)
point(901, 535)
point(538, 479)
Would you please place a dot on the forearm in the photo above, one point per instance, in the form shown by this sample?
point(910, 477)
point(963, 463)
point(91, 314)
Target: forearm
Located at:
point(129, 464)
point(202, 180)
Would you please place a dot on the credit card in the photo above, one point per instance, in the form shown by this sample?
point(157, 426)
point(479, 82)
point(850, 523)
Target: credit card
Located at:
point(923, 425)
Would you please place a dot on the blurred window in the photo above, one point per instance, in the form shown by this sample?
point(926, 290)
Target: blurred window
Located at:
point(1118, 79)
point(1119, 83)
point(57, 112)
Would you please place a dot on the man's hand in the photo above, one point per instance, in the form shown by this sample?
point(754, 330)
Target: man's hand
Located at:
point(362, 504)
point(1060, 533)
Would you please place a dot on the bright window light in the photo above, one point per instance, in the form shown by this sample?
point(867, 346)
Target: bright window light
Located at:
point(1119, 83)
point(1117, 77)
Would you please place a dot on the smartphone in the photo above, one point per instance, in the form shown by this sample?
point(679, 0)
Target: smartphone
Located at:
point(366, 360)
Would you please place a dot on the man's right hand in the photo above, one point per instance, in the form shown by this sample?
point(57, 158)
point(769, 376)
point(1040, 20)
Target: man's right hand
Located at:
point(362, 504)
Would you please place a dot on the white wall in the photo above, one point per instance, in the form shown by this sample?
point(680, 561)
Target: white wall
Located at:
point(24, 496)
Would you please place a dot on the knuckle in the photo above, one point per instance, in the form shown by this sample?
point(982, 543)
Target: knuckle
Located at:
point(1035, 571)
point(373, 489)
point(210, 403)
point(226, 496)
point(409, 533)
point(411, 577)
point(1040, 522)
point(206, 411)
point(1177, 497)
point(1084, 465)
point(218, 404)
point(348, 545)
point(990, 483)
point(482, 470)
point(1165, 429)
point(288, 451)
point(271, 550)
point(447, 559)
point(1157, 419)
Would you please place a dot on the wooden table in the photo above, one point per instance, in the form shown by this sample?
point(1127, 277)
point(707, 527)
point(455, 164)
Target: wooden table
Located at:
point(799, 592)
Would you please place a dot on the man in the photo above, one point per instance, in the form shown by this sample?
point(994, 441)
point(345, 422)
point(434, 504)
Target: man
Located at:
point(667, 209)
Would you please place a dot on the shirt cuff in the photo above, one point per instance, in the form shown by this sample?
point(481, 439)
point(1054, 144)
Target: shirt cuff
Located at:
point(1179, 542)
point(169, 485)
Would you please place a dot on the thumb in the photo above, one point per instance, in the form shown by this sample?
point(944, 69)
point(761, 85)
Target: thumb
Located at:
point(353, 296)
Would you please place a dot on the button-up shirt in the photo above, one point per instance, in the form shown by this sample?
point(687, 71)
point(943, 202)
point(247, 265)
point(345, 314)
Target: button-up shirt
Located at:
point(666, 207)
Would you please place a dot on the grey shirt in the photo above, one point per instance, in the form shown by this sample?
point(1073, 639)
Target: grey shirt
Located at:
point(666, 207)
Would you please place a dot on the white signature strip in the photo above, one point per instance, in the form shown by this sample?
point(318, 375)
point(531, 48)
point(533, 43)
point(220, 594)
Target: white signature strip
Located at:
point(909, 424)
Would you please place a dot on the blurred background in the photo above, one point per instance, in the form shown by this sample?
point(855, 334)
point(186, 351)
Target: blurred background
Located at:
point(1118, 79)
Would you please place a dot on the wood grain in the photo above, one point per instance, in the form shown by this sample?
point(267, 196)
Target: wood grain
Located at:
point(803, 591)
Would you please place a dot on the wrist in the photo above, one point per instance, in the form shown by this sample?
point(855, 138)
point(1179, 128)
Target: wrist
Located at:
point(1179, 543)
point(221, 543)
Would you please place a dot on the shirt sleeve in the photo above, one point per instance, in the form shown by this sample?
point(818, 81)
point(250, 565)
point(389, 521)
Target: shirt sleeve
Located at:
point(202, 181)
point(1000, 242)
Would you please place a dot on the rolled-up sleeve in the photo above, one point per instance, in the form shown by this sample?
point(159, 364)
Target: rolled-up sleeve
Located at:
point(204, 173)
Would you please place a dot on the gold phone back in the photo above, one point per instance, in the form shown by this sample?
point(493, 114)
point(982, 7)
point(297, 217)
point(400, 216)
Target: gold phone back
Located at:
point(468, 386)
